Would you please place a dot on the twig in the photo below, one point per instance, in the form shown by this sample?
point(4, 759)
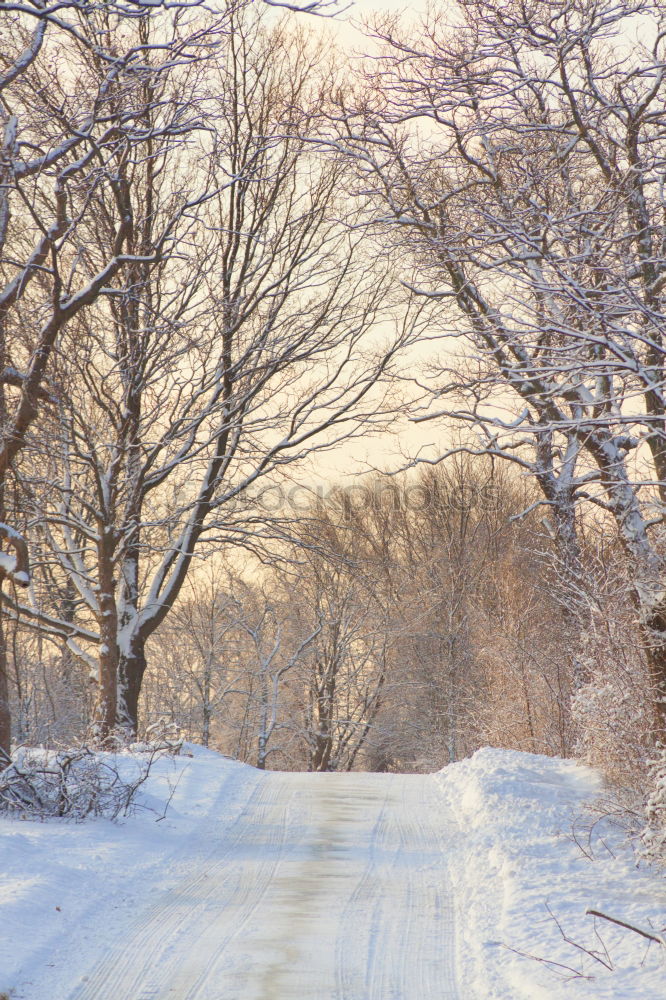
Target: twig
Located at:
point(556, 967)
point(630, 927)
point(604, 959)
point(171, 795)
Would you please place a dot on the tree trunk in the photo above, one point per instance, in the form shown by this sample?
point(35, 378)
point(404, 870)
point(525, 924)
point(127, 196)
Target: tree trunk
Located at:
point(321, 757)
point(131, 668)
point(107, 694)
point(323, 709)
point(653, 628)
point(262, 742)
point(5, 715)
point(207, 706)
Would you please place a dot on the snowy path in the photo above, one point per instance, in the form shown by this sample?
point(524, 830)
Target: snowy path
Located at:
point(326, 887)
point(229, 883)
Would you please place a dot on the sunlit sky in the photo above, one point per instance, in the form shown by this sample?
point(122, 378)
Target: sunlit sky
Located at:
point(347, 24)
point(390, 451)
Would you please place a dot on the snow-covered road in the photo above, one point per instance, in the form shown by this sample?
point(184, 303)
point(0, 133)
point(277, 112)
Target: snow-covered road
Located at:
point(229, 883)
point(326, 887)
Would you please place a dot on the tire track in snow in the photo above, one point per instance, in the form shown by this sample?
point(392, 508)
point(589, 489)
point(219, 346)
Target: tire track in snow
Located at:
point(403, 917)
point(293, 955)
point(356, 953)
point(148, 960)
point(326, 887)
point(427, 933)
point(206, 966)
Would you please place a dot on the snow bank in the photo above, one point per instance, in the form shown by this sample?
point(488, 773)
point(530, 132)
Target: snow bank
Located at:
point(66, 888)
point(516, 856)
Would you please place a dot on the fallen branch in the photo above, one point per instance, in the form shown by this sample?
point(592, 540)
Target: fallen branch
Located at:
point(630, 927)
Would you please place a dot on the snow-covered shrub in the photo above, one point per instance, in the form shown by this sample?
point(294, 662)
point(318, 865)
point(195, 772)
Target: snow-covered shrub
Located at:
point(654, 834)
point(51, 697)
point(612, 702)
point(162, 736)
point(612, 709)
point(73, 783)
point(612, 720)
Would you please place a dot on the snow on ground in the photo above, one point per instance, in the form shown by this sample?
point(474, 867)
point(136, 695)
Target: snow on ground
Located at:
point(69, 890)
point(517, 856)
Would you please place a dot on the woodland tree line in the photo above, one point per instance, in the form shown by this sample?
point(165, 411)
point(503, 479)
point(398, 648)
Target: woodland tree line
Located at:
point(223, 251)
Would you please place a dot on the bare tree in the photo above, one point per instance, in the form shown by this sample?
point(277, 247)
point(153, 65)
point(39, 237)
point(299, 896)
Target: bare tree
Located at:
point(226, 656)
point(199, 659)
point(411, 622)
point(239, 354)
point(466, 603)
point(343, 661)
point(517, 153)
point(271, 658)
point(70, 127)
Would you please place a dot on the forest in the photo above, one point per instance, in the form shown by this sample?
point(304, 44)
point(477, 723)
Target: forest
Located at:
point(231, 255)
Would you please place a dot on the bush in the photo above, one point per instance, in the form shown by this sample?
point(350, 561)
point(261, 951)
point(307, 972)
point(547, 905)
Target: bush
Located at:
point(75, 783)
point(654, 833)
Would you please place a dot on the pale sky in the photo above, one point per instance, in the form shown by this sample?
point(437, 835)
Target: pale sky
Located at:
point(360, 10)
point(390, 451)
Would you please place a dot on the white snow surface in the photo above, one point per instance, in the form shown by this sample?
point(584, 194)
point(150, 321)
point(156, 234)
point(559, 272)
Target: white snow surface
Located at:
point(331, 887)
point(517, 860)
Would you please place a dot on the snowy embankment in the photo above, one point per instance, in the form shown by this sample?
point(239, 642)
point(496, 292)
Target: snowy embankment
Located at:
point(69, 891)
point(531, 855)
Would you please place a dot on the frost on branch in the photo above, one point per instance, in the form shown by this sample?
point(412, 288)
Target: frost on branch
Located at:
point(17, 567)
